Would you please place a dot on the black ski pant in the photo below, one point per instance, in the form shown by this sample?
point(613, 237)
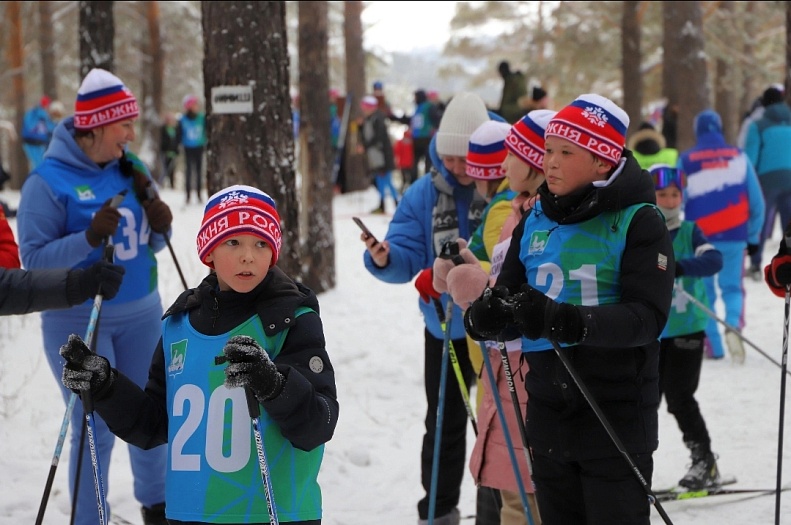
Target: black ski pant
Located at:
point(680, 360)
point(602, 491)
point(193, 158)
point(453, 453)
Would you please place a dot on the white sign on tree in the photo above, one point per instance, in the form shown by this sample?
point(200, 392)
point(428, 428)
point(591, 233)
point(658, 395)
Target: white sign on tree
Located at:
point(231, 99)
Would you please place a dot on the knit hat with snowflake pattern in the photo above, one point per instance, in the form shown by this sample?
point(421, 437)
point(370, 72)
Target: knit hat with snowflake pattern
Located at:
point(103, 99)
point(592, 122)
point(486, 151)
point(239, 210)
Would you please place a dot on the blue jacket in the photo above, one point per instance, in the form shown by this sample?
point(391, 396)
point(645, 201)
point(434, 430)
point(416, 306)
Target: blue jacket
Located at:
point(767, 145)
point(723, 195)
point(37, 126)
point(57, 204)
point(411, 240)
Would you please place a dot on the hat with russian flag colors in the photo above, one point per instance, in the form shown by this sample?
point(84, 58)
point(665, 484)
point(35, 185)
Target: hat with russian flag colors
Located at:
point(239, 210)
point(486, 151)
point(594, 123)
point(526, 138)
point(103, 99)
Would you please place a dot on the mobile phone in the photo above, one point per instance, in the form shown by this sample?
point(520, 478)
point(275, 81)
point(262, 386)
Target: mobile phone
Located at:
point(364, 228)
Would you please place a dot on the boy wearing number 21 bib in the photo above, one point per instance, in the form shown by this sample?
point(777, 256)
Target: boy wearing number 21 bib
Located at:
point(266, 328)
point(588, 276)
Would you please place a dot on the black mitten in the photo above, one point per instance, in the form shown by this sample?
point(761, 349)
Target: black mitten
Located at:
point(83, 284)
point(159, 215)
point(103, 224)
point(85, 370)
point(249, 366)
point(538, 316)
point(488, 316)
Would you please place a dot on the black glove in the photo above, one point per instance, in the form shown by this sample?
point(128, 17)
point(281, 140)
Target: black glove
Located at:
point(249, 366)
point(103, 224)
point(780, 270)
point(752, 249)
point(159, 215)
point(538, 316)
point(83, 284)
point(679, 270)
point(488, 316)
point(85, 370)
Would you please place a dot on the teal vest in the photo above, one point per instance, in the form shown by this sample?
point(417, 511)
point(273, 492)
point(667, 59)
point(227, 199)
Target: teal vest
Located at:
point(575, 263)
point(686, 317)
point(213, 474)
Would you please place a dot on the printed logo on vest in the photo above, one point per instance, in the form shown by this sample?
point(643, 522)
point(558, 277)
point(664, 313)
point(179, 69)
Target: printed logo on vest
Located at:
point(84, 193)
point(178, 357)
point(538, 241)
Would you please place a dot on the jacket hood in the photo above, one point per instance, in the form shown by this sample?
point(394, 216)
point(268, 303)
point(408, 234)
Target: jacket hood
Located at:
point(275, 300)
point(646, 142)
point(707, 121)
point(629, 184)
point(64, 148)
point(778, 112)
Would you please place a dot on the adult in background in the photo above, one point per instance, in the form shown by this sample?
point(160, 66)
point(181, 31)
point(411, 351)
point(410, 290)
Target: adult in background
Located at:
point(423, 124)
point(649, 147)
point(514, 87)
point(169, 140)
point(192, 129)
point(37, 126)
point(65, 220)
point(721, 183)
point(767, 146)
point(375, 143)
point(437, 208)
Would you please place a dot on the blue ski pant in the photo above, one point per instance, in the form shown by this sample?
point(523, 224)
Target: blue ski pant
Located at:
point(128, 341)
point(729, 281)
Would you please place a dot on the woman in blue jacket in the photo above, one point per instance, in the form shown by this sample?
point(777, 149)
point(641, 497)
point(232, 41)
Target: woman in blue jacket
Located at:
point(65, 219)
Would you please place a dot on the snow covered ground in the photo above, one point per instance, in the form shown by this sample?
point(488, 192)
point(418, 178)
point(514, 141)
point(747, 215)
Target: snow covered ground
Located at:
point(374, 335)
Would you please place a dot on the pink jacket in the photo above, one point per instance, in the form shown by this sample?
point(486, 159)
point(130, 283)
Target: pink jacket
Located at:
point(490, 461)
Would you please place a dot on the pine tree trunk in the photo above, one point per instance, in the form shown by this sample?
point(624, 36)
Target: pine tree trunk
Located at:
point(97, 31)
point(245, 45)
point(318, 250)
point(632, 76)
point(16, 58)
point(46, 43)
point(356, 176)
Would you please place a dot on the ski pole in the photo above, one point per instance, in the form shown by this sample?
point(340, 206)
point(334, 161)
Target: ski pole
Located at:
point(151, 193)
point(443, 381)
point(680, 288)
point(610, 432)
point(255, 415)
point(465, 394)
point(782, 406)
point(64, 425)
point(499, 407)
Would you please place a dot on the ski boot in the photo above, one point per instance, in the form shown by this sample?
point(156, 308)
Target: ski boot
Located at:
point(735, 346)
point(451, 518)
point(154, 515)
point(703, 473)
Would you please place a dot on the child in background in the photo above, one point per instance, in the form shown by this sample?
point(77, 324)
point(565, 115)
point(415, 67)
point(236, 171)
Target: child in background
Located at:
point(681, 342)
point(268, 329)
point(405, 159)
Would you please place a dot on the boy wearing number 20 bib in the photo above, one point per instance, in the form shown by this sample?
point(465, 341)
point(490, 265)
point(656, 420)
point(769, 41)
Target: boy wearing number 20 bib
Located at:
point(265, 331)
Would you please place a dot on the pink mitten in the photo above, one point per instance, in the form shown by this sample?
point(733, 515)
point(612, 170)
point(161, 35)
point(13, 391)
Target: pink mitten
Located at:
point(466, 283)
point(443, 266)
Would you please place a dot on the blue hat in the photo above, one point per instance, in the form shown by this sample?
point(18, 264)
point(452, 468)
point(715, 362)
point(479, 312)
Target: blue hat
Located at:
point(378, 85)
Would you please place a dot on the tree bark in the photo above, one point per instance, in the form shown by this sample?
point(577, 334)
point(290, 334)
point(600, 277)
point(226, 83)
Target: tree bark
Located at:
point(151, 117)
point(356, 177)
point(97, 32)
point(686, 65)
point(787, 81)
point(318, 250)
point(246, 45)
point(632, 57)
point(16, 59)
point(46, 43)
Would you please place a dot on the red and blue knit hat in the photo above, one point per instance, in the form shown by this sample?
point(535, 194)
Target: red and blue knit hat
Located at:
point(486, 151)
point(239, 210)
point(594, 123)
point(103, 99)
point(526, 138)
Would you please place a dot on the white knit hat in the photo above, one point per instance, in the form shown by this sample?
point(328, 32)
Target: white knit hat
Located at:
point(465, 112)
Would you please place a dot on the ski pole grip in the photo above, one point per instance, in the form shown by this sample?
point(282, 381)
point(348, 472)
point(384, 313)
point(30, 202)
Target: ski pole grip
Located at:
point(252, 403)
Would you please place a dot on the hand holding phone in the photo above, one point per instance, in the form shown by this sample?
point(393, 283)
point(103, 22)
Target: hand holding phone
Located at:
point(364, 228)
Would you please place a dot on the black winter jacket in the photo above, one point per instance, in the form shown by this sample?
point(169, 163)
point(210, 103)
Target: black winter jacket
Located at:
point(618, 359)
point(306, 409)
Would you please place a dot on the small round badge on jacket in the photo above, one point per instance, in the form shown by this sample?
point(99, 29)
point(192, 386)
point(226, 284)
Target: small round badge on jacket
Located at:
point(316, 364)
